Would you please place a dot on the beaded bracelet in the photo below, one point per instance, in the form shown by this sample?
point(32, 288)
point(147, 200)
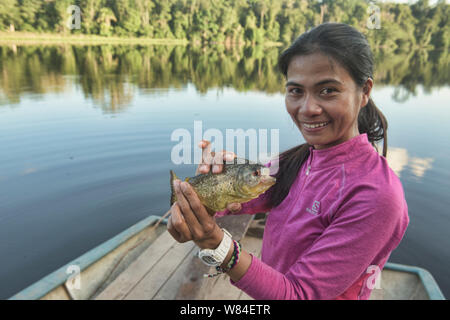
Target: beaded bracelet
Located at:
point(234, 258)
point(233, 261)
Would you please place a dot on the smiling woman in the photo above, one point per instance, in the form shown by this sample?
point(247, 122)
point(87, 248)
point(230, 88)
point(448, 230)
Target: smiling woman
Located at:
point(337, 210)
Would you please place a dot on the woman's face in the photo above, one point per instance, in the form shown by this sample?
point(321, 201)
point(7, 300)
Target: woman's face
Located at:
point(319, 91)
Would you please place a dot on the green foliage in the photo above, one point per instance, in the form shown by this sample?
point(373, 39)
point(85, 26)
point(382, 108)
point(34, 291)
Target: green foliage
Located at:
point(403, 26)
point(9, 14)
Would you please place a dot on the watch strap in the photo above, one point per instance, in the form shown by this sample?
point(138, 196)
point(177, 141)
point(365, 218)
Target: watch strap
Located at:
point(215, 257)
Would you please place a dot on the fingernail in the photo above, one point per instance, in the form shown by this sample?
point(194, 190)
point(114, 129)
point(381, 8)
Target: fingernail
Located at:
point(215, 169)
point(229, 157)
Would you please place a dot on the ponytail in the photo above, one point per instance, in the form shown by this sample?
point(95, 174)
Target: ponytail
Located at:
point(372, 121)
point(290, 162)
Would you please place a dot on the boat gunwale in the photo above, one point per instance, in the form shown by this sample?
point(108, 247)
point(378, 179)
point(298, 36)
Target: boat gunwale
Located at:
point(431, 287)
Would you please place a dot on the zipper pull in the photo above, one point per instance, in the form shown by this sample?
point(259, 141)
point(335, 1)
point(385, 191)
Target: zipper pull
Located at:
point(308, 169)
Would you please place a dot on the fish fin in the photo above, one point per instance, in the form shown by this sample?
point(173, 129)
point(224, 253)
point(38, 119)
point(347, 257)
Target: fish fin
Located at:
point(173, 197)
point(187, 179)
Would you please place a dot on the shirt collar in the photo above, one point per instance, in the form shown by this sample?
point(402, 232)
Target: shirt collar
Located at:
point(338, 154)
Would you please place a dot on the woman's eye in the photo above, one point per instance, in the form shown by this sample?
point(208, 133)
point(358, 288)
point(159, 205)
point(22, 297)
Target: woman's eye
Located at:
point(294, 91)
point(327, 91)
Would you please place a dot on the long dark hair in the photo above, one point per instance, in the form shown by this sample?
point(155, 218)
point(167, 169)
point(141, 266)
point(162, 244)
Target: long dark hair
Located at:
point(349, 47)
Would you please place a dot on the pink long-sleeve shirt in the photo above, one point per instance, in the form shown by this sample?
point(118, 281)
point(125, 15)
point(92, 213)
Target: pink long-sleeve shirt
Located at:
point(335, 230)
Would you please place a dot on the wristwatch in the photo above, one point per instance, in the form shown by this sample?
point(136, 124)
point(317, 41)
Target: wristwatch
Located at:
point(215, 257)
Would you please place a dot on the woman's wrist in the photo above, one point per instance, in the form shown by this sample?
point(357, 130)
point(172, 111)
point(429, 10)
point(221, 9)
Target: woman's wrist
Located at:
point(240, 269)
point(212, 242)
point(235, 264)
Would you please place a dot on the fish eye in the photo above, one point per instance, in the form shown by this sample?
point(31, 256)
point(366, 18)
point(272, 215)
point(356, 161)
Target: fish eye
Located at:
point(256, 173)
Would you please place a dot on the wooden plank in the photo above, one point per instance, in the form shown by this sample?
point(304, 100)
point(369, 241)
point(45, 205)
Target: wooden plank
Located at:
point(60, 293)
point(170, 289)
point(237, 225)
point(223, 290)
point(124, 283)
point(149, 286)
point(245, 296)
point(192, 283)
point(252, 245)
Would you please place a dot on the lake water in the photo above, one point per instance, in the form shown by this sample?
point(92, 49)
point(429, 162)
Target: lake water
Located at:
point(85, 142)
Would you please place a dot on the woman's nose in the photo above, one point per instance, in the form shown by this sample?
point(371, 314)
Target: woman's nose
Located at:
point(309, 107)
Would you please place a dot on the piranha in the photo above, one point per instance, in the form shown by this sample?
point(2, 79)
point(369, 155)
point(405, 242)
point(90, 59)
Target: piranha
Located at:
point(238, 182)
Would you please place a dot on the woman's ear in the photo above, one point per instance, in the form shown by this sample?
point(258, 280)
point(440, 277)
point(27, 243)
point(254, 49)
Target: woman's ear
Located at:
point(367, 89)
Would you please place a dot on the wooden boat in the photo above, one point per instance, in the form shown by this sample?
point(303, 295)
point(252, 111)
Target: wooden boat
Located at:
point(145, 262)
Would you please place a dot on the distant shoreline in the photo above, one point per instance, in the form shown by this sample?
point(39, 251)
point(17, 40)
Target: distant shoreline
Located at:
point(57, 38)
point(23, 38)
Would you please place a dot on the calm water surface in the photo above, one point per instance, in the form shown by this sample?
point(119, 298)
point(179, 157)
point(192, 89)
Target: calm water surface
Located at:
point(85, 155)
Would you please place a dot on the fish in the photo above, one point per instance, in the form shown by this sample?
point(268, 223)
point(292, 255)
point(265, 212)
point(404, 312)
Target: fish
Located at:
point(239, 181)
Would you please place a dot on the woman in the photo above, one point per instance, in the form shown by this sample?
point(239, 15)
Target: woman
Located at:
point(337, 210)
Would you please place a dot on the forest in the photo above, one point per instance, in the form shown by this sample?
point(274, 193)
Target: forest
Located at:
point(249, 22)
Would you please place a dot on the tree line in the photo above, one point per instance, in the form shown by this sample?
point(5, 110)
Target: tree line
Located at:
point(403, 26)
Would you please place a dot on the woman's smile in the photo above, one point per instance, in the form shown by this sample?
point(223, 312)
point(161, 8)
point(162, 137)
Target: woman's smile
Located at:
point(314, 126)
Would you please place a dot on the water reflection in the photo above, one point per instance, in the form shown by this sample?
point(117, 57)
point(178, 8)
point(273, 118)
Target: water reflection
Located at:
point(399, 160)
point(112, 75)
point(419, 166)
point(28, 171)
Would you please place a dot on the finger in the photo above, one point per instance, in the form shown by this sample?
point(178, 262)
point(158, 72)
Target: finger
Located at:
point(234, 207)
point(207, 155)
point(185, 204)
point(205, 221)
point(204, 165)
point(179, 223)
point(173, 232)
point(220, 158)
point(229, 156)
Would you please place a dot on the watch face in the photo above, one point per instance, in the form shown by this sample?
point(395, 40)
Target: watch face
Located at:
point(209, 260)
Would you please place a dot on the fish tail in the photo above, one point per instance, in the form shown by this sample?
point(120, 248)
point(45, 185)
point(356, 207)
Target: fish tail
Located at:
point(173, 197)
